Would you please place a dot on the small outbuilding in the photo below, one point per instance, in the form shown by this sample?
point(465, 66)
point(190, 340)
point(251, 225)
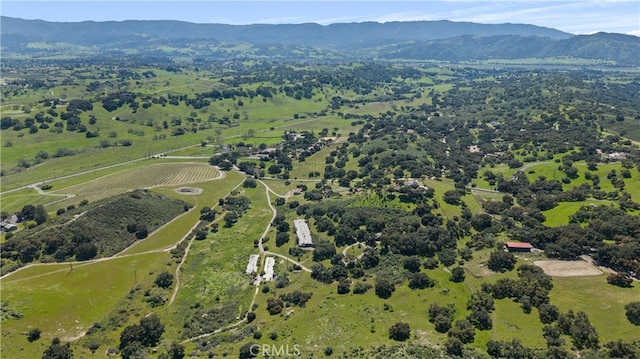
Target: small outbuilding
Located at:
point(518, 246)
point(7, 227)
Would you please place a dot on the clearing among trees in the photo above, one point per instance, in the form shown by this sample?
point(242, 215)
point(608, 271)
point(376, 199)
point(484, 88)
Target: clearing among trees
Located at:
point(577, 268)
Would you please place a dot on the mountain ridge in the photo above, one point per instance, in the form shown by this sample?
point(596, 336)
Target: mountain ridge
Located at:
point(264, 33)
point(442, 40)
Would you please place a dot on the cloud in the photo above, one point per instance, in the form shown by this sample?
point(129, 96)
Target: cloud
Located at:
point(402, 16)
point(341, 19)
point(577, 17)
point(281, 20)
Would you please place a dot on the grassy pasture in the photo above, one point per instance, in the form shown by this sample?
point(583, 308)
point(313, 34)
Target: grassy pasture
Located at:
point(361, 321)
point(144, 126)
point(64, 303)
point(499, 168)
point(14, 202)
point(603, 303)
point(559, 215)
point(447, 210)
point(350, 321)
point(551, 171)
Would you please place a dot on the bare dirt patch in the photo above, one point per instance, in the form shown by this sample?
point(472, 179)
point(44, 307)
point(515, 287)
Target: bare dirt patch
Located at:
point(579, 268)
point(189, 190)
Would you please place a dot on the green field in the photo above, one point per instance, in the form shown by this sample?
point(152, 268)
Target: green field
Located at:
point(65, 302)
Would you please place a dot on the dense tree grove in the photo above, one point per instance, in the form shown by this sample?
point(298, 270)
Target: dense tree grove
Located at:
point(115, 223)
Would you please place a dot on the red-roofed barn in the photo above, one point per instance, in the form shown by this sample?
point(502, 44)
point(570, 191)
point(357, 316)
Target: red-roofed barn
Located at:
point(518, 246)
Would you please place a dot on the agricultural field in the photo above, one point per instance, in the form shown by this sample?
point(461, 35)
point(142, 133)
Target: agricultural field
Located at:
point(155, 175)
point(409, 206)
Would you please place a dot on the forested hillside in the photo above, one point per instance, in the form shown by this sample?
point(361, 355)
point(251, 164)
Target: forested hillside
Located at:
point(88, 231)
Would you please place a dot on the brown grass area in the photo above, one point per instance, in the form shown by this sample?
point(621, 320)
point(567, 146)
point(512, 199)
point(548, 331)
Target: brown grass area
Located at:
point(578, 268)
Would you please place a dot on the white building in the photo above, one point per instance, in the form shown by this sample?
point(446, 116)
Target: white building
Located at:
point(303, 234)
point(252, 266)
point(268, 269)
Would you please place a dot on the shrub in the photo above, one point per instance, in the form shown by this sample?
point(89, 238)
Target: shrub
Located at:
point(400, 331)
point(274, 305)
point(361, 288)
point(620, 280)
point(633, 312)
point(33, 335)
point(164, 280)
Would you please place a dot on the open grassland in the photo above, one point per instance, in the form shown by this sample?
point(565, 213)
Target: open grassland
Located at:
point(448, 210)
point(280, 187)
point(499, 168)
point(352, 321)
point(144, 133)
point(14, 201)
point(65, 302)
point(314, 163)
point(559, 215)
point(510, 322)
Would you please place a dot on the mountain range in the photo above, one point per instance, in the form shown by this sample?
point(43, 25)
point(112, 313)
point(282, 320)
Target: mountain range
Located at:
point(419, 40)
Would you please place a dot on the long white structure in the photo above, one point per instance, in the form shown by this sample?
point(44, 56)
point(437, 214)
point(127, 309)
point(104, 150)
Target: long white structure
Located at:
point(252, 266)
point(303, 234)
point(268, 268)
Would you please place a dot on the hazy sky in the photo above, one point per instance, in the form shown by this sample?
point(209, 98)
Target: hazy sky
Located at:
point(575, 16)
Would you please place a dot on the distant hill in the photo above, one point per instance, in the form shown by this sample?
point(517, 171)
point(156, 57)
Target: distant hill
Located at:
point(423, 40)
point(623, 49)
